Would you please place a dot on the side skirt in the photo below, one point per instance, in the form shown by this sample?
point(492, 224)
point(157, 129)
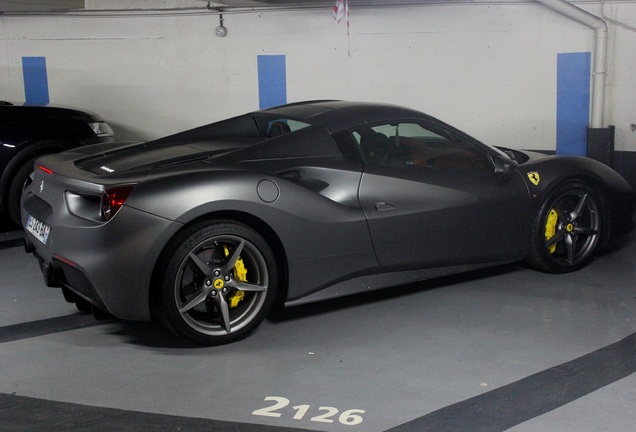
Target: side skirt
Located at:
point(384, 280)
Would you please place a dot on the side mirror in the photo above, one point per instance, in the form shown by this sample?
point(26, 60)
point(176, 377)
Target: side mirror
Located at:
point(504, 167)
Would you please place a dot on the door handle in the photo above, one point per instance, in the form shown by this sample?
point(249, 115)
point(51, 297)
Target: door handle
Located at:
point(384, 207)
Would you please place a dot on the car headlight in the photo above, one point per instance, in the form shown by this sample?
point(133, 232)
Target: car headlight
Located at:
point(102, 129)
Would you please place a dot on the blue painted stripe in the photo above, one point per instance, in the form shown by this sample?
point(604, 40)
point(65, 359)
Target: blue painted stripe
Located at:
point(573, 102)
point(272, 81)
point(36, 83)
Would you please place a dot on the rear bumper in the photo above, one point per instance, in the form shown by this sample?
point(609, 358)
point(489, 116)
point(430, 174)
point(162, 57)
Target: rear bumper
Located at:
point(58, 274)
point(111, 264)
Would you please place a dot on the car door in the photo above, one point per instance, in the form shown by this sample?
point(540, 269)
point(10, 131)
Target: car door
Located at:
point(431, 197)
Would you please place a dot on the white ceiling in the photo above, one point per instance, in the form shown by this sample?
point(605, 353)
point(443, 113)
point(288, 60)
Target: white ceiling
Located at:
point(39, 5)
point(67, 5)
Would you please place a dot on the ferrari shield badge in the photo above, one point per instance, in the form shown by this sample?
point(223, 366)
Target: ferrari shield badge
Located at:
point(534, 177)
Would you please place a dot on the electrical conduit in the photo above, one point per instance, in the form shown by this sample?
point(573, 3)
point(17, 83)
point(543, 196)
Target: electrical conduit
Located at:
point(600, 53)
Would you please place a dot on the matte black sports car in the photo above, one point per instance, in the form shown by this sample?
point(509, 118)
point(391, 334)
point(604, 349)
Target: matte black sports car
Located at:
point(28, 132)
point(207, 229)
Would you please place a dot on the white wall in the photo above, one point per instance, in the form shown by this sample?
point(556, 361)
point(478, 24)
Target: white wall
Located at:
point(487, 68)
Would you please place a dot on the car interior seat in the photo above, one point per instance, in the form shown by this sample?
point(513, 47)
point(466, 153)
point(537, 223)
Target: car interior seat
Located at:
point(374, 147)
point(278, 128)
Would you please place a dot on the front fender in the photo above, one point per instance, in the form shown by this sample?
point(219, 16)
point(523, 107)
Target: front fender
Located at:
point(544, 174)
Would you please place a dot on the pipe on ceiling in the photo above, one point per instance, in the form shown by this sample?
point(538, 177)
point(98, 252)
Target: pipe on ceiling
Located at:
point(600, 53)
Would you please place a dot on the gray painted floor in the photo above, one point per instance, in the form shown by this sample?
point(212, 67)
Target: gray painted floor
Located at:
point(501, 349)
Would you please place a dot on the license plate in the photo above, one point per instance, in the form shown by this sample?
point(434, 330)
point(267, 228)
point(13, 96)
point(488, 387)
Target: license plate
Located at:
point(38, 228)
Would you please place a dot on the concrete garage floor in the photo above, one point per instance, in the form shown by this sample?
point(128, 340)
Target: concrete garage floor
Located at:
point(494, 350)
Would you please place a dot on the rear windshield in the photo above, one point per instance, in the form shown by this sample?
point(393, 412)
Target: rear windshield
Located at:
point(272, 127)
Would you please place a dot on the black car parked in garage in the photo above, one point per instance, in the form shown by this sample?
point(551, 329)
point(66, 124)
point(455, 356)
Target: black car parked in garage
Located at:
point(28, 132)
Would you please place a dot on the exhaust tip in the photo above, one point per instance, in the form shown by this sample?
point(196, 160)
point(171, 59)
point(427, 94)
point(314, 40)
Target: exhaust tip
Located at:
point(50, 276)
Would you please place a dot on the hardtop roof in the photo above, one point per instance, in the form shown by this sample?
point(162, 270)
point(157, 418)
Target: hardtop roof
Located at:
point(338, 115)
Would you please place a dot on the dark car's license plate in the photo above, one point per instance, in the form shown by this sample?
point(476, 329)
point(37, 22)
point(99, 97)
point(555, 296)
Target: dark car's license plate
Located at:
point(38, 228)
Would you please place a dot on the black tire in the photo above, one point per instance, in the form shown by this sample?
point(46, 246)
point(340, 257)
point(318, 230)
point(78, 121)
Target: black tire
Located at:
point(204, 295)
point(15, 190)
point(566, 232)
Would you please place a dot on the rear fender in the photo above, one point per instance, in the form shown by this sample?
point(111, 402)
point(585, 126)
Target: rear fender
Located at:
point(292, 211)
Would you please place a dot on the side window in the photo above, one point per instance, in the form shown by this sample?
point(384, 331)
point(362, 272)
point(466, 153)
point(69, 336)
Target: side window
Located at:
point(414, 145)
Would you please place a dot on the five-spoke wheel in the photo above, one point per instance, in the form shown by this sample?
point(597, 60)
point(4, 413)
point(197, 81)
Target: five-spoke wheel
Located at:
point(567, 230)
point(218, 284)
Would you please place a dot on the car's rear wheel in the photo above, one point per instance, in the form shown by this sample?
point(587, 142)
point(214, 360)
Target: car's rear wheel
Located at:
point(217, 282)
point(567, 230)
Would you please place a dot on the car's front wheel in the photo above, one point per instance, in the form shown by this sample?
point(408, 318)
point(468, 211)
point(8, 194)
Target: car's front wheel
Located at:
point(567, 230)
point(217, 282)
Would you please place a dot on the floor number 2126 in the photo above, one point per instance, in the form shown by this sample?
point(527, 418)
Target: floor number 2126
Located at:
point(325, 414)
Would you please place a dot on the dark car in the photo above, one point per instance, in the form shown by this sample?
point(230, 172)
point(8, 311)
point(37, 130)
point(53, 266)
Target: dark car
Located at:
point(27, 132)
point(207, 229)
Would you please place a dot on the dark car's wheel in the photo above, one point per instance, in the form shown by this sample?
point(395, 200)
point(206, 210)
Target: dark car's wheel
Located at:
point(217, 282)
point(15, 189)
point(567, 230)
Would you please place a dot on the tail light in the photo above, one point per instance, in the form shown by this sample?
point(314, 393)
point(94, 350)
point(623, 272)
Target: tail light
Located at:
point(113, 199)
point(45, 169)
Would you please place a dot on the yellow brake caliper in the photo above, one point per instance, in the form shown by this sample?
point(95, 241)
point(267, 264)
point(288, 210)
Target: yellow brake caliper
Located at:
point(550, 228)
point(240, 274)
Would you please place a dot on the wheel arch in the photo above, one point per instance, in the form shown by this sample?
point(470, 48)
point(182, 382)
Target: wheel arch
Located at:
point(601, 193)
point(600, 190)
point(249, 220)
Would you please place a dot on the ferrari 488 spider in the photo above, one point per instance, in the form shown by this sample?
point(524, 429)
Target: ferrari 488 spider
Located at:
point(207, 229)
